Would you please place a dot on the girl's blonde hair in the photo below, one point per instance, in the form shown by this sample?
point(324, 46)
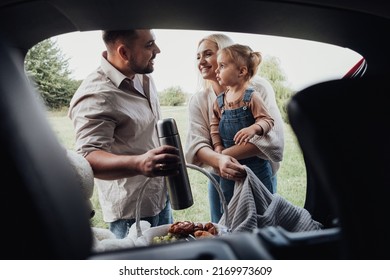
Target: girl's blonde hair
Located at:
point(243, 55)
point(221, 41)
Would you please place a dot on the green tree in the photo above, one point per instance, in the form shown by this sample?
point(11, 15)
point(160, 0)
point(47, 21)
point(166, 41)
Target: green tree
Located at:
point(48, 68)
point(271, 70)
point(172, 96)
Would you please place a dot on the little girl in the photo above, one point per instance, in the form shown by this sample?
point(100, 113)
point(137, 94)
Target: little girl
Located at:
point(239, 112)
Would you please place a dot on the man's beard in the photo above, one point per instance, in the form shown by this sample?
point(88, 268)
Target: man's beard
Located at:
point(142, 69)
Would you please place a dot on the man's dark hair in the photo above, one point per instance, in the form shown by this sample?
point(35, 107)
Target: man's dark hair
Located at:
point(111, 36)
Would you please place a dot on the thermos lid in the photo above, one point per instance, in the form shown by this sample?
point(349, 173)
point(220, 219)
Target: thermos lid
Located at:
point(166, 127)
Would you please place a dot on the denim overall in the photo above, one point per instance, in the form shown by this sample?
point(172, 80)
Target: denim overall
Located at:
point(231, 122)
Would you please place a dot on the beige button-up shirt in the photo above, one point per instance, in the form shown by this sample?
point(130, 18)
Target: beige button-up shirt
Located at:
point(107, 115)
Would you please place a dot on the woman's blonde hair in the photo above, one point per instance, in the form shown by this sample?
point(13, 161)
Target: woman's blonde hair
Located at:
point(221, 41)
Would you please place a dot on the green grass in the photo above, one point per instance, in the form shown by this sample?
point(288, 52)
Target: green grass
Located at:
point(291, 175)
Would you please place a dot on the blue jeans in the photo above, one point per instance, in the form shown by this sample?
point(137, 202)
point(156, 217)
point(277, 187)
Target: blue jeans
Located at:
point(216, 209)
point(274, 181)
point(121, 227)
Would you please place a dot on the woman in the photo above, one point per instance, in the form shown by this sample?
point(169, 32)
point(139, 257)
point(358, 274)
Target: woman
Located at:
point(198, 147)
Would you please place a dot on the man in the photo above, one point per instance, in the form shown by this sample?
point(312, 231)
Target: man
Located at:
point(114, 113)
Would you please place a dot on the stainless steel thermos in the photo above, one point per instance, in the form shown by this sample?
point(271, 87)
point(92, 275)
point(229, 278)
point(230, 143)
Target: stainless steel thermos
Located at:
point(179, 188)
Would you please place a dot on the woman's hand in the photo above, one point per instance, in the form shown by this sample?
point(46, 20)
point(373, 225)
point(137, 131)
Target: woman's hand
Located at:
point(230, 168)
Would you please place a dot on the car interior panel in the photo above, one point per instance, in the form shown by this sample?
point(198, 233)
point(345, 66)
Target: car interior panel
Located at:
point(341, 127)
point(42, 192)
point(342, 157)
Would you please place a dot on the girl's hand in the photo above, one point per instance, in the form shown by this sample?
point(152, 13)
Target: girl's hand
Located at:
point(219, 149)
point(244, 135)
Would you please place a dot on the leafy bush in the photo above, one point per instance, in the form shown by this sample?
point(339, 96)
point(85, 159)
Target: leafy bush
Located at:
point(271, 70)
point(173, 96)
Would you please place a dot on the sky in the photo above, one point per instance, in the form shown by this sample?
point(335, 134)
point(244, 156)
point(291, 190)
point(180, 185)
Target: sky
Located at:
point(303, 62)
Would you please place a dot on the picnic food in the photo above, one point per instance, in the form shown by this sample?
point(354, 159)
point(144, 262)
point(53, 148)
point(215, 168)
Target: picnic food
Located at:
point(202, 233)
point(186, 229)
point(164, 238)
point(182, 228)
